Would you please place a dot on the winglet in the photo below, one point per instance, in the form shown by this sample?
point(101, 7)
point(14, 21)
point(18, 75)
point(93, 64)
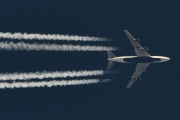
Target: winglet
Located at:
point(130, 83)
point(129, 35)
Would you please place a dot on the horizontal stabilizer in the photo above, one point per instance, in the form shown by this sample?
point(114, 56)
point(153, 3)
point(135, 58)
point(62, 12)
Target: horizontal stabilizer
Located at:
point(110, 54)
point(110, 64)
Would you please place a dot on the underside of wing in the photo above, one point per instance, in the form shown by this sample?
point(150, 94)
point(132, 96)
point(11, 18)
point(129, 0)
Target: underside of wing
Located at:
point(140, 52)
point(140, 67)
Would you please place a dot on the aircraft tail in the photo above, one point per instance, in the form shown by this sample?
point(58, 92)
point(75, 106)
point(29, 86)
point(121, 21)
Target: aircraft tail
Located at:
point(110, 54)
point(110, 63)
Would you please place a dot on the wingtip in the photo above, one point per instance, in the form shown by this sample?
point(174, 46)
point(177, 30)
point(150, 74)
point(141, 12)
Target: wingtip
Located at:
point(128, 86)
point(126, 31)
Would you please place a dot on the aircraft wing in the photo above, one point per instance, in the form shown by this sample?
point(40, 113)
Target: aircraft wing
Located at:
point(140, 52)
point(140, 67)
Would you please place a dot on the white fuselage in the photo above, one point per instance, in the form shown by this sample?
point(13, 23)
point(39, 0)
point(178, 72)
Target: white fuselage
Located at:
point(122, 58)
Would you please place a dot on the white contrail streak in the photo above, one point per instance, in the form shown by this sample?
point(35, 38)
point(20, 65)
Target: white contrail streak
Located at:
point(51, 47)
point(56, 74)
point(48, 83)
point(25, 36)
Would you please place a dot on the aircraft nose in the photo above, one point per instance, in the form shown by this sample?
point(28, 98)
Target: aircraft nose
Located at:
point(164, 59)
point(167, 59)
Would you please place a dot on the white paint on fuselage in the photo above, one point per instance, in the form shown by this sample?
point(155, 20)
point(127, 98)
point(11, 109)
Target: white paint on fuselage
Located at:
point(163, 58)
point(121, 58)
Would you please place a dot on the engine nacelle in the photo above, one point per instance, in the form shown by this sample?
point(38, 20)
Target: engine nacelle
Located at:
point(144, 48)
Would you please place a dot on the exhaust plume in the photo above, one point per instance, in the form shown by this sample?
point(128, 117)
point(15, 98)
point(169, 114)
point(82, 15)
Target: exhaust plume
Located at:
point(56, 74)
point(51, 47)
point(4, 85)
point(25, 36)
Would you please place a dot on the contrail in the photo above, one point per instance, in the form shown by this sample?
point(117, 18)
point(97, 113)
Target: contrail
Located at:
point(49, 83)
point(51, 47)
point(56, 74)
point(25, 36)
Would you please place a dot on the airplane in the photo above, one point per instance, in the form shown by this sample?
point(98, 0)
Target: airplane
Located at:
point(142, 58)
